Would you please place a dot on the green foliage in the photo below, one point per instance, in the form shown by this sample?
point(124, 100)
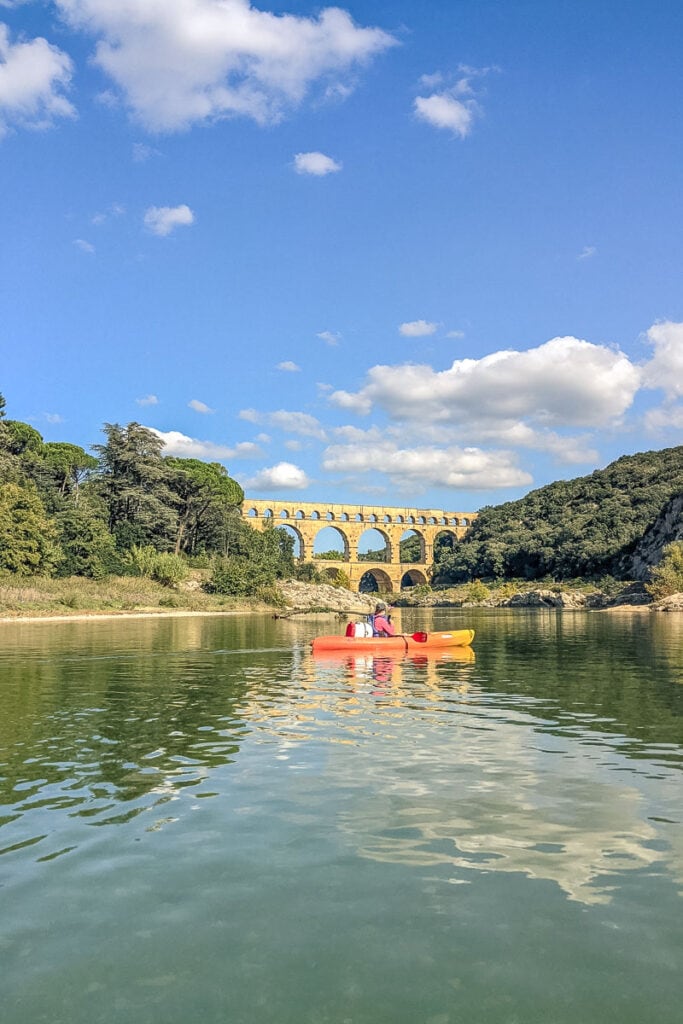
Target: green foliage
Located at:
point(341, 580)
point(667, 577)
point(88, 547)
point(134, 484)
point(581, 527)
point(378, 555)
point(255, 559)
point(162, 566)
point(477, 591)
point(28, 539)
point(331, 556)
point(308, 572)
point(411, 548)
point(205, 494)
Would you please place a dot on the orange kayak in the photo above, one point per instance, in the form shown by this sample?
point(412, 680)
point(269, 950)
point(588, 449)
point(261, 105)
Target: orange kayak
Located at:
point(413, 642)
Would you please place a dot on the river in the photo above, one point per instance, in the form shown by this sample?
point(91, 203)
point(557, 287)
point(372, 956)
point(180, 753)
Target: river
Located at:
point(200, 822)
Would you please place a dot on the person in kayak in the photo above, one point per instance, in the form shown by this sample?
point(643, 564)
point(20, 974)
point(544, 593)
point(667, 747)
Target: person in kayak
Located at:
point(381, 621)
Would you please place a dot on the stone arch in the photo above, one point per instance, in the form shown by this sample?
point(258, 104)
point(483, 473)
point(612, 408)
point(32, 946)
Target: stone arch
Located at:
point(375, 580)
point(300, 514)
point(344, 517)
point(252, 513)
point(413, 578)
point(329, 516)
point(284, 514)
point(267, 513)
point(451, 534)
point(315, 514)
point(329, 572)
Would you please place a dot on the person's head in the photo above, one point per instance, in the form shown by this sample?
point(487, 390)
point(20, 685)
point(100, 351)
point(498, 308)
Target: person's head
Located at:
point(381, 608)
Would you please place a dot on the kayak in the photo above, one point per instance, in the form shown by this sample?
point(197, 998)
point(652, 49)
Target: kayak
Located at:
point(412, 642)
point(421, 657)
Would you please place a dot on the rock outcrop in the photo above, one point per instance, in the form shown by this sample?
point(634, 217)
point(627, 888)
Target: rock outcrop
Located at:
point(667, 528)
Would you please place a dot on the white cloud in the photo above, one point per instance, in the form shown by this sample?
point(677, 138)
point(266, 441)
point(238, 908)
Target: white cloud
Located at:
point(84, 246)
point(161, 220)
point(289, 367)
point(301, 423)
point(192, 61)
point(53, 417)
point(416, 469)
point(147, 400)
point(665, 369)
point(315, 163)
point(455, 334)
point(283, 476)
point(443, 110)
point(33, 78)
point(329, 337)
point(587, 252)
point(664, 419)
point(564, 382)
point(417, 328)
point(186, 447)
point(454, 107)
point(292, 445)
point(198, 406)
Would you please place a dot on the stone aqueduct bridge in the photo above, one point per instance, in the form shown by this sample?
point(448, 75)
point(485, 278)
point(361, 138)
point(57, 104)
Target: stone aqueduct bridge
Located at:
point(307, 519)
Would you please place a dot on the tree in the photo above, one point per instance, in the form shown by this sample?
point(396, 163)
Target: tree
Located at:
point(134, 483)
point(88, 547)
point(667, 577)
point(27, 536)
point(69, 464)
point(199, 487)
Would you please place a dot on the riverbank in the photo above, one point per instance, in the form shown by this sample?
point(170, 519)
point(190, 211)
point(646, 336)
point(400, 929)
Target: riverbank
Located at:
point(137, 597)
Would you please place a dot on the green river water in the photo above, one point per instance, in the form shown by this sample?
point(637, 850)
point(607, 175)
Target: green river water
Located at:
point(201, 823)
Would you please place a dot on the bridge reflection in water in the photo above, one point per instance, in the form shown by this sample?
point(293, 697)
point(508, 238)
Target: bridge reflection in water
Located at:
point(307, 519)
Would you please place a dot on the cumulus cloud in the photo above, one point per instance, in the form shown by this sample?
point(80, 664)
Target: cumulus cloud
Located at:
point(289, 367)
point(418, 468)
point(186, 447)
point(564, 382)
point(283, 476)
point(178, 64)
point(301, 423)
point(198, 406)
point(417, 328)
point(147, 400)
point(161, 220)
point(453, 107)
point(316, 164)
point(34, 76)
point(665, 369)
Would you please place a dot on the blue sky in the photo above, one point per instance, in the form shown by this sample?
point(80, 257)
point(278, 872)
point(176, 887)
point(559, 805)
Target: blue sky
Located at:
point(388, 253)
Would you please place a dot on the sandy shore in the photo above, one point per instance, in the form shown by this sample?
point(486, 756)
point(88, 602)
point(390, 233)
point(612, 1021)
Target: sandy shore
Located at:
point(89, 616)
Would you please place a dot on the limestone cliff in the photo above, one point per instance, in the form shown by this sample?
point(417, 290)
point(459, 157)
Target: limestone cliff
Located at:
point(667, 527)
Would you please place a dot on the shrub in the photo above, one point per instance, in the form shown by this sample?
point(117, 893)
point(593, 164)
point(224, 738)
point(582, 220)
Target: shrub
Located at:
point(476, 591)
point(667, 577)
point(341, 580)
point(165, 568)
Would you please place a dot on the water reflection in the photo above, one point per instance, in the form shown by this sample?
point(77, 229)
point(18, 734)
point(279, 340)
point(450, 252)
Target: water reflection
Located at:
point(551, 751)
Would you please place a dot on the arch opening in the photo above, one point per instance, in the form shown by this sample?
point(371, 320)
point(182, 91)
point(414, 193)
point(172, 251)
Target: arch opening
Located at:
point(412, 546)
point(299, 548)
point(412, 578)
point(375, 581)
point(330, 544)
point(374, 546)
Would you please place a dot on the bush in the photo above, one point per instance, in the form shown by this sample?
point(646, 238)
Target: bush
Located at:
point(167, 569)
point(476, 591)
point(239, 577)
point(667, 577)
point(341, 580)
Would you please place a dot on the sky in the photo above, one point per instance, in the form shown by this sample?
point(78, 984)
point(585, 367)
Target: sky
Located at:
point(398, 253)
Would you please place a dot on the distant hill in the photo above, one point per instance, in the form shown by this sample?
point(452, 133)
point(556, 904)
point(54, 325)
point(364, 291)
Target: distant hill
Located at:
point(590, 526)
point(667, 527)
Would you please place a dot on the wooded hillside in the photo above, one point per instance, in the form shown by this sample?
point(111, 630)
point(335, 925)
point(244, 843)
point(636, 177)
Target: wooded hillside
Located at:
point(582, 527)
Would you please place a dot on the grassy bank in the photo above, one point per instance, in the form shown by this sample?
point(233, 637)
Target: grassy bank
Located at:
point(36, 596)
